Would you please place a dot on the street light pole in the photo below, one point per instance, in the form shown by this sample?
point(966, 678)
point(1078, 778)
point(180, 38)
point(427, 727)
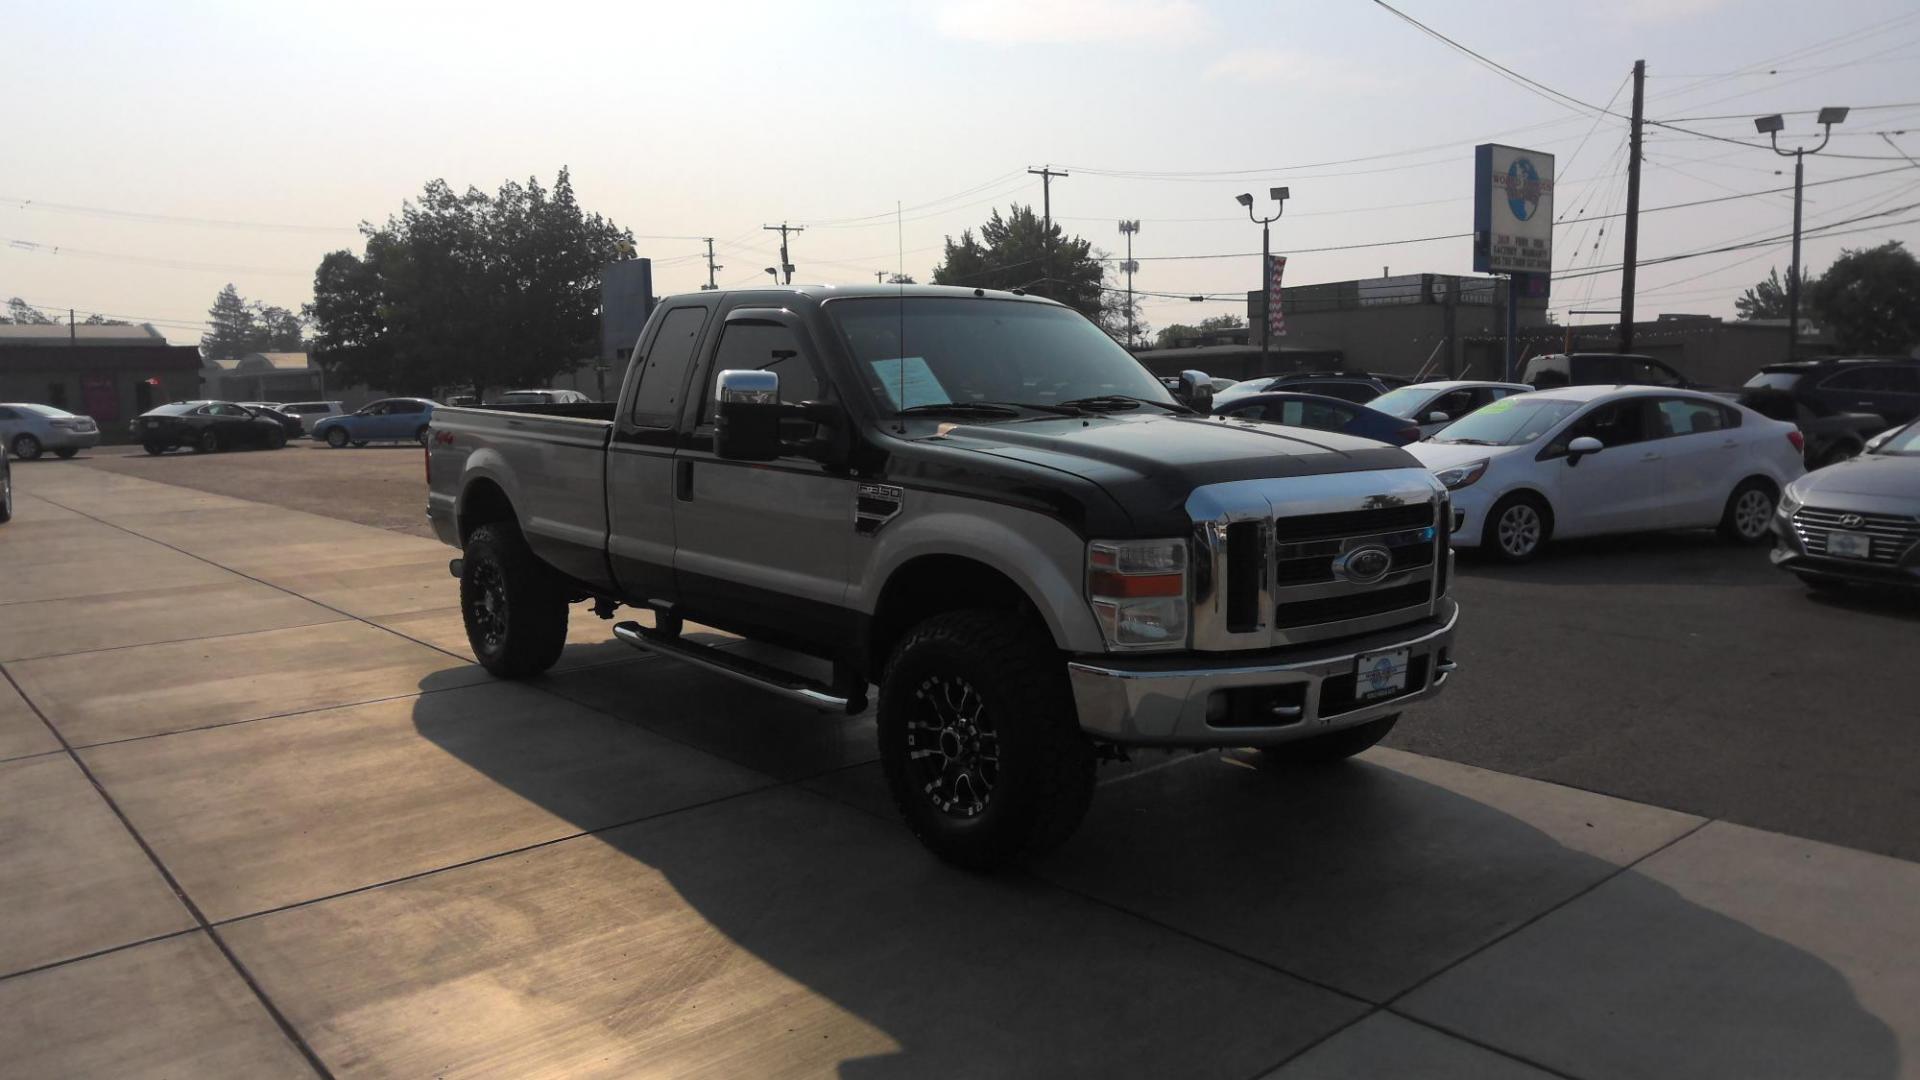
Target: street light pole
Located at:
point(1279, 196)
point(1771, 126)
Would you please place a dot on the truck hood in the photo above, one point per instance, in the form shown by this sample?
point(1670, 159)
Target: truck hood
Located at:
point(1868, 474)
point(1149, 463)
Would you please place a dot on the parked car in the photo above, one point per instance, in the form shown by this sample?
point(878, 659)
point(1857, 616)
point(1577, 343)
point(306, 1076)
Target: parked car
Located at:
point(311, 412)
point(27, 431)
point(206, 426)
point(1857, 521)
point(287, 421)
point(1434, 405)
point(6, 488)
point(388, 419)
point(1601, 369)
point(1348, 386)
point(1832, 436)
point(1041, 553)
point(1587, 460)
point(1321, 414)
point(541, 397)
point(1888, 387)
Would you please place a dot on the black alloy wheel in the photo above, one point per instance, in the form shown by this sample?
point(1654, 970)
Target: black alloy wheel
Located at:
point(953, 746)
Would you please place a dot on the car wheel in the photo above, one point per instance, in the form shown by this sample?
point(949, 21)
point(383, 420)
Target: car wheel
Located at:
point(1749, 512)
point(154, 448)
point(66, 453)
point(26, 447)
point(1517, 528)
point(209, 442)
point(357, 443)
point(276, 439)
point(514, 609)
point(1329, 748)
point(421, 435)
point(6, 492)
point(979, 739)
point(336, 438)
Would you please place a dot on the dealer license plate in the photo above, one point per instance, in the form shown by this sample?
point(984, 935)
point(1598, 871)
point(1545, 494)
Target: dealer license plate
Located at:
point(1380, 674)
point(1850, 545)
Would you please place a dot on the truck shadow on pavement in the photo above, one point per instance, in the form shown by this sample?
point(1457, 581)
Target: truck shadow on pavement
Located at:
point(782, 930)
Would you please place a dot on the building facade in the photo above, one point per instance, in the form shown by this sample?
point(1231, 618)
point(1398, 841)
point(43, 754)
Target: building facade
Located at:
point(111, 373)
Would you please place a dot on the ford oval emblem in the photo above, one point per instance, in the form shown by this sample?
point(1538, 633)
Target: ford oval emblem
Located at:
point(1366, 565)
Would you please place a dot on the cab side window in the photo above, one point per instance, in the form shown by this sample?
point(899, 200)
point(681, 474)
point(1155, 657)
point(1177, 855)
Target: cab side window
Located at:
point(657, 402)
point(1617, 423)
point(766, 346)
point(1455, 404)
point(1686, 416)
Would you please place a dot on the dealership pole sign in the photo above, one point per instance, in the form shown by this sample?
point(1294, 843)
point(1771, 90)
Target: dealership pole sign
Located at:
point(1276, 318)
point(1512, 210)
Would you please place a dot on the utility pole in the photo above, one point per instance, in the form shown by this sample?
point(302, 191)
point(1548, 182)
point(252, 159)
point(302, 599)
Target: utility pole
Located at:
point(1631, 256)
point(712, 267)
point(879, 277)
point(786, 264)
point(1046, 173)
point(1128, 228)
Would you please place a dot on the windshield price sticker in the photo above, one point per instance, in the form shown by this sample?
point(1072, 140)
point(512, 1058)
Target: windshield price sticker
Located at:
point(910, 382)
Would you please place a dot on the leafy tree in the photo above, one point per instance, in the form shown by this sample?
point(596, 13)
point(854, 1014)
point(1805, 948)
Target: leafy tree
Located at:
point(1019, 252)
point(102, 320)
point(1870, 299)
point(238, 327)
point(1768, 299)
point(467, 290)
point(900, 279)
point(25, 314)
point(1172, 334)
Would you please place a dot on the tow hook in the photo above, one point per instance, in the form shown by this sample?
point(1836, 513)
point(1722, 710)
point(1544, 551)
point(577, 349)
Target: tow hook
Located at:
point(454, 566)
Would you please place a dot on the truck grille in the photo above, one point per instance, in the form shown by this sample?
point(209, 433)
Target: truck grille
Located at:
point(1891, 535)
point(1268, 577)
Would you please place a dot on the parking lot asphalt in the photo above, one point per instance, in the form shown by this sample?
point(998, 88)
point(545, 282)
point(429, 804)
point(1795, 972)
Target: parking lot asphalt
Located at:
point(1669, 669)
point(260, 815)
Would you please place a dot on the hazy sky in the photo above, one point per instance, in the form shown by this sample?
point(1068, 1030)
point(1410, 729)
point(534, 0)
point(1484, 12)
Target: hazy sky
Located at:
point(136, 130)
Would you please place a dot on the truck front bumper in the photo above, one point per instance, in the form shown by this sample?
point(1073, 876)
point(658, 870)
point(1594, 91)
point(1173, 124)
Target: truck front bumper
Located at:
point(1256, 699)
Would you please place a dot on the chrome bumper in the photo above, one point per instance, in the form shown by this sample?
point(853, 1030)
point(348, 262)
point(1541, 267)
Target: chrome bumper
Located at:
point(1166, 701)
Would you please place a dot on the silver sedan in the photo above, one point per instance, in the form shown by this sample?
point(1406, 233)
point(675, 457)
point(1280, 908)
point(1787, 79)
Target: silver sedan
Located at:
point(27, 431)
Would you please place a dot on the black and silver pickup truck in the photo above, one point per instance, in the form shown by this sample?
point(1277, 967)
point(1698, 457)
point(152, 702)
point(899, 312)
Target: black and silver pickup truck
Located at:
point(980, 503)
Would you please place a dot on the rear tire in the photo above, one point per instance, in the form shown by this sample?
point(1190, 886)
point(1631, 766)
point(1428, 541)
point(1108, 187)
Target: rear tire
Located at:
point(980, 741)
point(1323, 750)
point(276, 439)
point(66, 453)
point(154, 448)
point(514, 609)
point(1749, 512)
point(358, 443)
point(336, 438)
point(421, 435)
point(209, 442)
point(1517, 528)
point(26, 447)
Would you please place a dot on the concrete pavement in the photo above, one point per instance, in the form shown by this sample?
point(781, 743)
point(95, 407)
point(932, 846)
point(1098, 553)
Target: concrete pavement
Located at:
point(260, 815)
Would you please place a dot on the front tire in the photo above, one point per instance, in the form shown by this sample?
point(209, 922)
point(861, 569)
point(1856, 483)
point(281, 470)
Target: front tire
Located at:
point(515, 613)
point(26, 447)
point(1517, 528)
point(276, 439)
point(66, 453)
point(1749, 512)
point(154, 448)
point(208, 443)
point(980, 741)
point(337, 438)
point(1323, 750)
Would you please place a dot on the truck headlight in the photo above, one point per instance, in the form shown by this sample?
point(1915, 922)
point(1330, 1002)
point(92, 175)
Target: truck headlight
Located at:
point(1462, 475)
point(1138, 592)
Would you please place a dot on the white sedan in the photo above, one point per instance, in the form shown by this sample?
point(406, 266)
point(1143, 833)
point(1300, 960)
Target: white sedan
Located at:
point(1586, 460)
point(1434, 405)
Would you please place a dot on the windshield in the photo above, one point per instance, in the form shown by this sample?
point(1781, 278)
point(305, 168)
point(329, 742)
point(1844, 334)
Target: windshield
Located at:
point(933, 351)
point(1775, 380)
point(1403, 402)
point(178, 408)
point(1513, 421)
point(1905, 444)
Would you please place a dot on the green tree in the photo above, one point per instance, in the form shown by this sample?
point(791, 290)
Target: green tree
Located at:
point(470, 290)
point(1019, 252)
point(1768, 299)
point(102, 320)
point(25, 314)
point(230, 327)
point(900, 279)
point(1172, 334)
point(1870, 299)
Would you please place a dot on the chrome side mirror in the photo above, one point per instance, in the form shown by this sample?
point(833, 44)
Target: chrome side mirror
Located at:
point(746, 423)
point(1196, 391)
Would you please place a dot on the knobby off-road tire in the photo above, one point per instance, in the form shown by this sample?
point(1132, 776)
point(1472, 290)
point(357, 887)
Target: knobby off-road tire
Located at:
point(1323, 750)
point(514, 609)
point(979, 739)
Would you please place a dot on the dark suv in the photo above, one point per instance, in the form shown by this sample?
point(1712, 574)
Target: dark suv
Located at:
point(1357, 387)
point(1600, 369)
point(1887, 387)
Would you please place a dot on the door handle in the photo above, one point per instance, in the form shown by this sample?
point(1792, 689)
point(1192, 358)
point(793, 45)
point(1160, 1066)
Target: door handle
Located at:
point(683, 481)
point(1649, 456)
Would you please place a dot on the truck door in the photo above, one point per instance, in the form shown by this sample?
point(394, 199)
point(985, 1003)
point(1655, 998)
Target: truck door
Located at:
point(763, 542)
point(640, 531)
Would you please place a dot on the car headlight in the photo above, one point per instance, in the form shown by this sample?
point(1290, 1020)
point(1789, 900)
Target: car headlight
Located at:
point(1790, 501)
point(1460, 476)
point(1138, 592)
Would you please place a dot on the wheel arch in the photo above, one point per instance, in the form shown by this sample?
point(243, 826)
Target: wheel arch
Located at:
point(929, 585)
point(483, 502)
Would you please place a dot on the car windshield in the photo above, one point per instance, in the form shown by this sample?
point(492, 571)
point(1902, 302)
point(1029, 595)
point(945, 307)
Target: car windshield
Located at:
point(1513, 421)
point(923, 353)
point(1905, 444)
point(1403, 402)
point(1774, 380)
point(178, 408)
